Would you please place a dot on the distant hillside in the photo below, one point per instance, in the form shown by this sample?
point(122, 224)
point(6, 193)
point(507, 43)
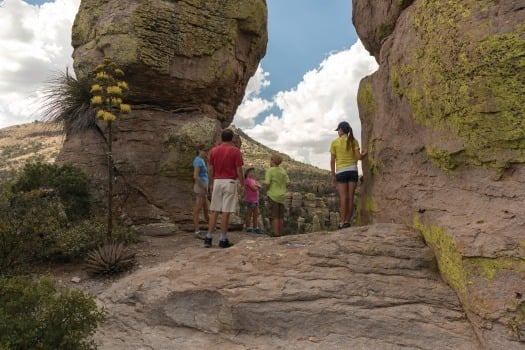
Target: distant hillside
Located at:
point(39, 141)
point(25, 143)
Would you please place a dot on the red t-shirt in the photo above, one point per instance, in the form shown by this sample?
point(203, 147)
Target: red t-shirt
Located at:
point(225, 159)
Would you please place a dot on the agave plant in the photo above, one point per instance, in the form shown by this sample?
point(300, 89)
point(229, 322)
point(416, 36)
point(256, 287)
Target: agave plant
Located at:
point(66, 100)
point(109, 259)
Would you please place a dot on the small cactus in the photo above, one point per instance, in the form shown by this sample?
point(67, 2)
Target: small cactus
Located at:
point(110, 258)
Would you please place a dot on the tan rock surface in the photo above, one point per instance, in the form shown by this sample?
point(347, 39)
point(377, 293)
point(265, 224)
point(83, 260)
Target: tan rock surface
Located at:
point(373, 287)
point(443, 123)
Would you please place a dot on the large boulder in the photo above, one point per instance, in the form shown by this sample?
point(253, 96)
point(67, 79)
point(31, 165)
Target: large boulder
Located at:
point(443, 121)
point(187, 64)
point(176, 54)
point(375, 287)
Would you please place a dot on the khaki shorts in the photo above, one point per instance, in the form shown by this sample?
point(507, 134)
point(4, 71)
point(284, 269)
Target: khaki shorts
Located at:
point(199, 191)
point(224, 196)
point(276, 209)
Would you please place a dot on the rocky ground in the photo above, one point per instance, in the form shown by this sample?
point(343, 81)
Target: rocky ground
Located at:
point(374, 287)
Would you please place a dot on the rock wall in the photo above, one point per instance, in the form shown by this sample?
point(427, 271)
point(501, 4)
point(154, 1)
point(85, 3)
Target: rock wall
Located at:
point(443, 122)
point(187, 64)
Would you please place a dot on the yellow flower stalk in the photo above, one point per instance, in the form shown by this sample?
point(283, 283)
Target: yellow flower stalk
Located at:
point(102, 76)
point(96, 100)
point(96, 89)
point(123, 85)
point(119, 73)
point(109, 117)
point(114, 91)
point(125, 109)
point(100, 114)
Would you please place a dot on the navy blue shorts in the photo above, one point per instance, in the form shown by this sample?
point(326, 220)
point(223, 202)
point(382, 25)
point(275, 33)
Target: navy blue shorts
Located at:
point(347, 176)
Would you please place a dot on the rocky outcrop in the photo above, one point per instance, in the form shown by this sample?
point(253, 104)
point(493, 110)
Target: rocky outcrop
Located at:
point(443, 124)
point(187, 64)
point(374, 287)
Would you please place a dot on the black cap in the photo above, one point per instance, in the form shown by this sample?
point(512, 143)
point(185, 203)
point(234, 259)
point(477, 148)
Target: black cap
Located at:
point(343, 125)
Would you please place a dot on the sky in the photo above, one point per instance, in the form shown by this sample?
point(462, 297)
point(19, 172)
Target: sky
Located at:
point(305, 85)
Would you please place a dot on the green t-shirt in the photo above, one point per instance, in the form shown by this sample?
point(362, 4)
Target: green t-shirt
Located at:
point(277, 179)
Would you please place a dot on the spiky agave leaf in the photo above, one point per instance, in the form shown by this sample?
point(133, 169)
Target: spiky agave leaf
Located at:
point(66, 100)
point(110, 258)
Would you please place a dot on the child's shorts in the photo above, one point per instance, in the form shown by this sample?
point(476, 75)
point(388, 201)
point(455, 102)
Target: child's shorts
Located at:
point(276, 209)
point(252, 204)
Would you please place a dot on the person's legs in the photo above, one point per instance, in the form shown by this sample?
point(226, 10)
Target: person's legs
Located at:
point(196, 211)
point(249, 214)
point(225, 218)
point(276, 227)
point(350, 207)
point(342, 190)
point(255, 217)
point(206, 209)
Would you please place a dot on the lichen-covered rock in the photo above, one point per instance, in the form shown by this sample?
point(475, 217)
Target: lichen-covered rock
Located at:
point(176, 54)
point(187, 64)
point(443, 121)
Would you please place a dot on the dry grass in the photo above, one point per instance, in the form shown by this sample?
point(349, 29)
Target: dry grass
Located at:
point(24, 143)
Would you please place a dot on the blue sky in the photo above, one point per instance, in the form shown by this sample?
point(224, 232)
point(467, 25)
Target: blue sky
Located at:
point(304, 86)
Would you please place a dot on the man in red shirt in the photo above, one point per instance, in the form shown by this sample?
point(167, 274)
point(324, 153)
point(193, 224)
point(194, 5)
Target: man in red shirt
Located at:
point(225, 167)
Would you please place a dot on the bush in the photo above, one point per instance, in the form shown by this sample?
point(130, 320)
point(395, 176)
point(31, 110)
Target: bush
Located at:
point(34, 315)
point(78, 240)
point(70, 182)
point(29, 223)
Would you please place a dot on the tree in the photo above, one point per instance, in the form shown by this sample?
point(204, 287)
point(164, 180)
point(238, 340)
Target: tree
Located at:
point(107, 95)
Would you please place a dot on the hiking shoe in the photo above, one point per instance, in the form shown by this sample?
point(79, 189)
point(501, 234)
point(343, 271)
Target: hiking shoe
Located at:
point(346, 224)
point(207, 242)
point(225, 243)
point(199, 234)
point(250, 230)
point(340, 226)
point(257, 230)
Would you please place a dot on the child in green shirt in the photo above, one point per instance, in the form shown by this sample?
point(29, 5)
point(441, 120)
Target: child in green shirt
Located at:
point(276, 180)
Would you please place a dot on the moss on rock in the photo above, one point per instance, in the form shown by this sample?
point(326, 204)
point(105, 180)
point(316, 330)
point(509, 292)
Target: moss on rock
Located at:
point(181, 145)
point(467, 82)
point(450, 260)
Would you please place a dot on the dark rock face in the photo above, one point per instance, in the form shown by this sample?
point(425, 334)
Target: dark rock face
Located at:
point(187, 64)
point(374, 287)
point(443, 123)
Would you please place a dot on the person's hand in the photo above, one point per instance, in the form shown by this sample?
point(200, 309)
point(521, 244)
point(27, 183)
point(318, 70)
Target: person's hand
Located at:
point(364, 153)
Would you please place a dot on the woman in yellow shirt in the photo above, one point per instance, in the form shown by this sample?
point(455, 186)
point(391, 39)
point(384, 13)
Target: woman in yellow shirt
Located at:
point(345, 153)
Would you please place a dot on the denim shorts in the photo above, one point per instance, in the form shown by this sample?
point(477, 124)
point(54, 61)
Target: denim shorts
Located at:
point(251, 204)
point(346, 176)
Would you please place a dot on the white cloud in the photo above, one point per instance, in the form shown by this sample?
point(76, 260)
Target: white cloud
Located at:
point(35, 41)
point(252, 105)
point(311, 111)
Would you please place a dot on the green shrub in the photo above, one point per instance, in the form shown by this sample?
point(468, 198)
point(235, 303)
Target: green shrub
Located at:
point(29, 223)
point(34, 315)
point(70, 182)
point(77, 240)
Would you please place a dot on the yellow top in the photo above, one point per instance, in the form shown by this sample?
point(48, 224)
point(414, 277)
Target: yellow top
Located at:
point(343, 157)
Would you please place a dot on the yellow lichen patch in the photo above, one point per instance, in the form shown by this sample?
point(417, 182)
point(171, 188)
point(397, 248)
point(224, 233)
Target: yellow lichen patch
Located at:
point(461, 79)
point(365, 100)
point(371, 205)
point(450, 260)
point(490, 267)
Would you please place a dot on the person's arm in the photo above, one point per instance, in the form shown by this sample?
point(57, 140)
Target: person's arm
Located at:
point(360, 155)
point(332, 166)
point(240, 176)
point(254, 185)
point(210, 176)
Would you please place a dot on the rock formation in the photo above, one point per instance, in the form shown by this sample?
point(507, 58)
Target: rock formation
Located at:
point(375, 287)
point(187, 64)
point(443, 122)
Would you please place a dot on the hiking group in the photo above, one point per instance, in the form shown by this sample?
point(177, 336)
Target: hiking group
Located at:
point(223, 177)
